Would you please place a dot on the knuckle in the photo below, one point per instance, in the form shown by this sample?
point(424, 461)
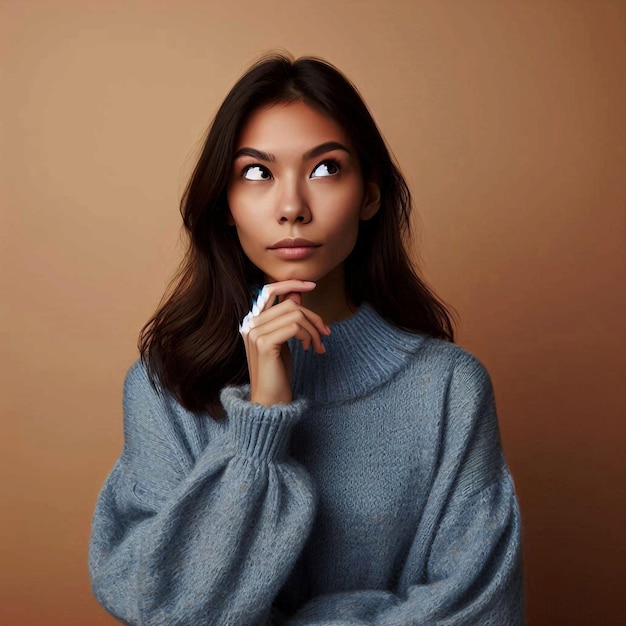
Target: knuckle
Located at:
point(294, 327)
point(298, 315)
point(261, 342)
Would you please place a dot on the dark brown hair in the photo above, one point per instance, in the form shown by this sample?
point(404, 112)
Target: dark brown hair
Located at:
point(191, 345)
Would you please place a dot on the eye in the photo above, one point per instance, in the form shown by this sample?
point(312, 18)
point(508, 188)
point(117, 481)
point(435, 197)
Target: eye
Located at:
point(329, 167)
point(256, 172)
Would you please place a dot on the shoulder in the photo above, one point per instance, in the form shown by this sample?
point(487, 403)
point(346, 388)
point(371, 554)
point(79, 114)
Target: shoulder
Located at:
point(142, 396)
point(148, 407)
point(469, 421)
point(137, 378)
point(454, 365)
point(458, 384)
point(145, 403)
point(447, 366)
point(158, 438)
point(141, 387)
point(156, 425)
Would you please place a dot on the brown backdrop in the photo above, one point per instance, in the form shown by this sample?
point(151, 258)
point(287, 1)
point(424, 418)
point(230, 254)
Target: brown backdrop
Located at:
point(508, 119)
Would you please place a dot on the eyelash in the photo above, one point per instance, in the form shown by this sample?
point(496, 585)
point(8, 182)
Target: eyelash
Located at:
point(331, 161)
point(247, 168)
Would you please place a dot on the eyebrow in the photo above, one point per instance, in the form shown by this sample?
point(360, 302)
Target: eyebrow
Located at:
point(311, 154)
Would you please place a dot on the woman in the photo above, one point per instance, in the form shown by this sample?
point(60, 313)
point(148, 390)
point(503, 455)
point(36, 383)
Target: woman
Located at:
point(317, 450)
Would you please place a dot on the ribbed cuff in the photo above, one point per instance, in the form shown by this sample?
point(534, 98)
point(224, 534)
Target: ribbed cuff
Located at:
point(259, 431)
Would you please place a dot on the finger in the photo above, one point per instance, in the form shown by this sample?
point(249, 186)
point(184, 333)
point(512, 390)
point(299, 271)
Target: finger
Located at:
point(290, 289)
point(272, 341)
point(283, 308)
point(268, 294)
point(296, 324)
point(295, 297)
point(285, 287)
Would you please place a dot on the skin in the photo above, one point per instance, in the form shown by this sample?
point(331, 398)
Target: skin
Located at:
point(295, 175)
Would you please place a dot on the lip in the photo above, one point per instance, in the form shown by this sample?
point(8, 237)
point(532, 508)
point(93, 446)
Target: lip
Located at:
point(294, 243)
point(292, 249)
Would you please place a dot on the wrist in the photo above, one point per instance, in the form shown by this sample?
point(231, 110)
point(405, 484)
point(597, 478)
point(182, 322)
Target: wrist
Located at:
point(256, 430)
point(267, 400)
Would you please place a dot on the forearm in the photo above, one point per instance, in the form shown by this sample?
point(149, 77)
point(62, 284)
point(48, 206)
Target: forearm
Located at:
point(217, 547)
point(472, 576)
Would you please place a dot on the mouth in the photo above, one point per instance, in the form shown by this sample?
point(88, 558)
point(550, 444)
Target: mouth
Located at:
point(294, 243)
point(294, 249)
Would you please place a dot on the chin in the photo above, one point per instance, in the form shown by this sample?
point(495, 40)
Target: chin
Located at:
point(292, 276)
point(294, 273)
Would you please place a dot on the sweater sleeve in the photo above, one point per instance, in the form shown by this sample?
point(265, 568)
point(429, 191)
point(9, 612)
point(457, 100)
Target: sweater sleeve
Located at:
point(199, 539)
point(464, 565)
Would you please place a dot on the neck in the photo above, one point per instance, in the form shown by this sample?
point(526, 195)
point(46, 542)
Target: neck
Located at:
point(328, 299)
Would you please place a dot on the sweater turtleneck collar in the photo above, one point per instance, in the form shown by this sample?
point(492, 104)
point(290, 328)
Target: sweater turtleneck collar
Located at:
point(363, 352)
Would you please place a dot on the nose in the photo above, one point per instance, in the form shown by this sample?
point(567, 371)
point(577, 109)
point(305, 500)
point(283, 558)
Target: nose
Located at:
point(293, 205)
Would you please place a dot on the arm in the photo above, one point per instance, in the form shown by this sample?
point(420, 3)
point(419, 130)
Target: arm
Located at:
point(206, 540)
point(464, 566)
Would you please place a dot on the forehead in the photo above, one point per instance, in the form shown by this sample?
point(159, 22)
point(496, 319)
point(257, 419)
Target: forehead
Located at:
point(294, 125)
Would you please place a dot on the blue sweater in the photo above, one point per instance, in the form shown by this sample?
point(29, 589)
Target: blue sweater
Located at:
point(380, 495)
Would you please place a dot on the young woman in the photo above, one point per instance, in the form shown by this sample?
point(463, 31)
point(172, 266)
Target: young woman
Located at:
point(304, 443)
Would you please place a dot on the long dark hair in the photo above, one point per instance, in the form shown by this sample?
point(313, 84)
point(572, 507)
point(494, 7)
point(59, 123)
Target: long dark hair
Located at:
point(191, 345)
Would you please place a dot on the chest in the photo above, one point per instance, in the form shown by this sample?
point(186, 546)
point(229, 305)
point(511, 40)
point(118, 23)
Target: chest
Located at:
point(372, 461)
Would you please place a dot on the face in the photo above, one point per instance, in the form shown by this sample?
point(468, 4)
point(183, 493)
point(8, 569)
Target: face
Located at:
point(296, 193)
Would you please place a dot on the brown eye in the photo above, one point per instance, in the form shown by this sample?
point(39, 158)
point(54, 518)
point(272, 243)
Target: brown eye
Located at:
point(325, 168)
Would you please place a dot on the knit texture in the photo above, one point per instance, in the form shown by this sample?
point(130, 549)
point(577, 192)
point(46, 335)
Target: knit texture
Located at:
point(379, 496)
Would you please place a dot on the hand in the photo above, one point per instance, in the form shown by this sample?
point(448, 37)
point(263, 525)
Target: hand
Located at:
point(265, 336)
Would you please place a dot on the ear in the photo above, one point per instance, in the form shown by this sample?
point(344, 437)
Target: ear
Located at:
point(371, 201)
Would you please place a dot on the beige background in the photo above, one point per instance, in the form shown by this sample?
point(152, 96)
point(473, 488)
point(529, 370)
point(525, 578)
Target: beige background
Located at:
point(508, 120)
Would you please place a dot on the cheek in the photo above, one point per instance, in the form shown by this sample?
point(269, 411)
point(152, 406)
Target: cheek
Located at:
point(344, 214)
point(248, 239)
point(244, 214)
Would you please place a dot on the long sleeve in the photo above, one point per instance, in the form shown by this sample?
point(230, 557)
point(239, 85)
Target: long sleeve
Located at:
point(464, 565)
point(199, 539)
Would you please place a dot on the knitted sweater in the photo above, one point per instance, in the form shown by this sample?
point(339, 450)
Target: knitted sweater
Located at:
point(380, 495)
